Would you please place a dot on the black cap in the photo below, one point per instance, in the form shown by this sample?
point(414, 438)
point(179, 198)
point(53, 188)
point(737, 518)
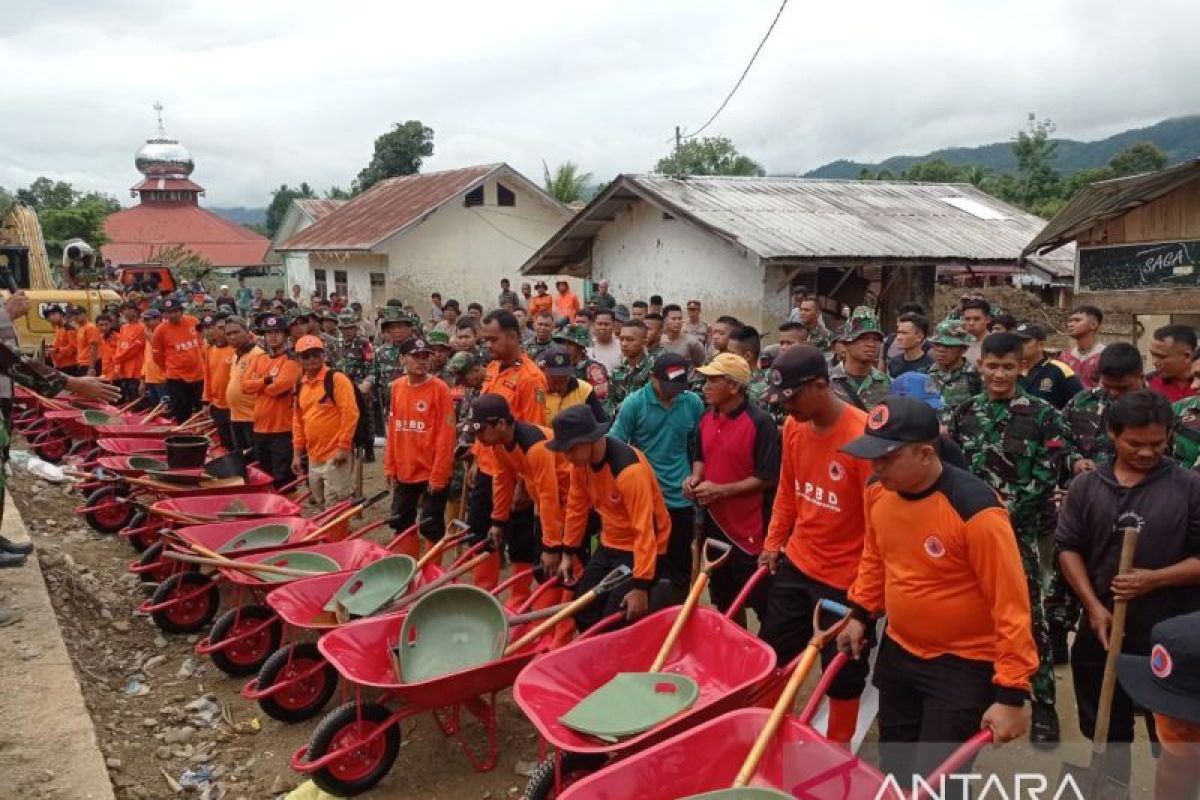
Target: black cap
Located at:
point(415, 345)
point(488, 408)
point(171, 304)
point(206, 321)
point(556, 361)
point(272, 322)
point(1168, 680)
point(897, 420)
point(150, 313)
point(575, 425)
point(793, 368)
point(672, 369)
point(1030, 330)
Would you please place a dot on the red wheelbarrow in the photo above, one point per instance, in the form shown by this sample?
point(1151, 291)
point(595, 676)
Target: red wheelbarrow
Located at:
point(727, 662)
point(354, 746)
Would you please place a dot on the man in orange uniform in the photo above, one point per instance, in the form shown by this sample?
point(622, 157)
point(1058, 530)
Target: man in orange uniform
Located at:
point(130, 355)
point(155, 381)
point(618, 483)
point(419, 452)
point(815, 538)
point(940, 559)
point(62, 349)
point(271, 379)
point(220, 357)
point(241, 405)
point(87, 342)
point(566, 303)
point(518, 380)
point(541, 301)
point(177, 351)
point(108, 347)
point(323, 426)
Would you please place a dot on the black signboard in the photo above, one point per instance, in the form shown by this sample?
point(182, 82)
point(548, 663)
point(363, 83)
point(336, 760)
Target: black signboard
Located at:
point(1157, 265)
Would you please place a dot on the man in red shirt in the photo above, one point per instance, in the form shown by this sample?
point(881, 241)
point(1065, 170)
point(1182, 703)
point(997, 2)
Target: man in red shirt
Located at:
point(815, 538)
point(1084, 327)
point(1171, 353)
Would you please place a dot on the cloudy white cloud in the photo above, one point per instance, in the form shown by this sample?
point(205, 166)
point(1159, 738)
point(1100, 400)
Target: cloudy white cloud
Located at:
point(270, 92)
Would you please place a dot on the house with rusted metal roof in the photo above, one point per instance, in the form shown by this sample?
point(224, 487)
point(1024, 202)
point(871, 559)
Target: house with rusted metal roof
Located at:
point(457, 232)
point(301, 214)
point(741, 245)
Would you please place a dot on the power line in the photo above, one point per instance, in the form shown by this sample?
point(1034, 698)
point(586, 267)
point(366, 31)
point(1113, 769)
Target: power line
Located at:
point(746, 71)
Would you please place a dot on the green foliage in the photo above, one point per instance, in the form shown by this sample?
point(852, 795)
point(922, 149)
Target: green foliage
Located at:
point(337, 193)
point(281, 200)
point(566, 184)
point(400, 151)
point(184, 263)
point(1137, 158)
point(65, 213)
point(710, 155)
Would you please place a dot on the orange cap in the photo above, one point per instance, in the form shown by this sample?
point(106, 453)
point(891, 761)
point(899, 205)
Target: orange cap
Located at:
point(310, 342)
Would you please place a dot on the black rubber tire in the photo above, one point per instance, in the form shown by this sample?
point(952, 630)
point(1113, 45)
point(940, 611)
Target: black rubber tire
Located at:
point(152, 555)
point(330, 726)
point(190, 580)
point(238, 667)
point(275, 665)
point(106, 525)
point(575, 766)
point(91, 455)
point(139, 520)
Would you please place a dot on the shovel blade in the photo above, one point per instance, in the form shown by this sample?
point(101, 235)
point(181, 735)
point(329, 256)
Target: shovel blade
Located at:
point(632, 702)
point(1092, 781)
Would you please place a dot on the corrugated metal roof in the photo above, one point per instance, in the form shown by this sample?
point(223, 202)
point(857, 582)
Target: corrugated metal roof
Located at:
point(387, 208)
point(1105, 200)
point(316, 208)
point(167, 185)
point(793, 218)
point(136, 234)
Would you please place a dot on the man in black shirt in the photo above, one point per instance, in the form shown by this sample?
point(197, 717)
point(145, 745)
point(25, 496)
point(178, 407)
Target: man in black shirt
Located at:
point(1045, 377)
point(912, 329)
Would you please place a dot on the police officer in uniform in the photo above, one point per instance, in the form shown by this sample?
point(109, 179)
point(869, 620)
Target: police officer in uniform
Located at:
point(1045, 377)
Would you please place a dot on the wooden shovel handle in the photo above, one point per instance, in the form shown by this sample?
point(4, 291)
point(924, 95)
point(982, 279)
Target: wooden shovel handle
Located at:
point(693, 599)
point(46, 401)
point(570, 610)
point(242, 566)
point(1116, 637)
point(812, 652)
point(437, 583)
point(153, 413)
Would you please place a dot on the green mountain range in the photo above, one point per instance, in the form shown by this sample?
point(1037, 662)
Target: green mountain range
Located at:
point(1178, 137)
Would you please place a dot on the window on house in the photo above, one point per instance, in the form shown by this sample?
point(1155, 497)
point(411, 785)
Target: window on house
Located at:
point(339, 281)
point(378, 280)
point(321, 281)
point(474, 197)
point(505, 196)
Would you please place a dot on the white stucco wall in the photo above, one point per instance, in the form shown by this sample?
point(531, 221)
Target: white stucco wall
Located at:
point(641, 254)
point(464, 252)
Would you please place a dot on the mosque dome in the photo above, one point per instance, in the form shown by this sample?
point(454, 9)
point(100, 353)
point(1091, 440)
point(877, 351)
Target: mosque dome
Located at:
point(162, 156)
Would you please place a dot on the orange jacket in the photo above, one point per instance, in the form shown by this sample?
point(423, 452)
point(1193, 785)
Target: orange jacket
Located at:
point(420, 433)
point(633, 516)
point(945, 569)
point(150, 369)
point(131, 349)
point(817, 519)
point(62, 349)
point(545, 474)
point(241, 405)
point(108, 350)
point(321, 426)
point(523, 385)
point(567, 305)
point(177, 350)
point(87, 335)
point(539, 303)
point(216, 382)
point(272, 381)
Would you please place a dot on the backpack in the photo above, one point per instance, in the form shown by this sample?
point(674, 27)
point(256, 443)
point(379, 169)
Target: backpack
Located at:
point(364, 436)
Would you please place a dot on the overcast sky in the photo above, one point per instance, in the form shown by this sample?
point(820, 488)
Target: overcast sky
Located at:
point(264, 93)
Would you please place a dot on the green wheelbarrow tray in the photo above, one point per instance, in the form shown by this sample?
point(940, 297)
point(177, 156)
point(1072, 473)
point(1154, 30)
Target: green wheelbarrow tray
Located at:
point(94, 417)
point(373, 587)
point(448, 630)
point(255, 538)
point(741, 793)
point(146, 464)
point(631, 702)
point(308, 562)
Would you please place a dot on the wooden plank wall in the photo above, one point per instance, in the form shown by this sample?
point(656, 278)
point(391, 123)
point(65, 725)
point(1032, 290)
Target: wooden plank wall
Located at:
point(1172, 216)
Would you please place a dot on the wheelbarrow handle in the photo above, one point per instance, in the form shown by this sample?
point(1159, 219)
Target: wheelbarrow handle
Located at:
point(965, 752)
point(743, 596)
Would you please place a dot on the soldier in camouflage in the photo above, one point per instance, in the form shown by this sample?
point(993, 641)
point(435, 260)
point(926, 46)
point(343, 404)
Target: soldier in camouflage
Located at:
point(397, 328)
point(956, 380)
point(1017, 444)
point(354, 355)
point(464, 373)
point(439, 344)
point(857, 380)
point(633, 371)
point(808, 314)
point(577, 340)
point(746, 342)
point(327, 329)
point(543, 335)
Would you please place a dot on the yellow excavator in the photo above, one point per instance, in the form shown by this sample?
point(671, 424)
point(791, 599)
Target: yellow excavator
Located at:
point(25, 267)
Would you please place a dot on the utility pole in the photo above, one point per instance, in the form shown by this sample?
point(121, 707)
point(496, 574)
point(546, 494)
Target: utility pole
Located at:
point(678, 152)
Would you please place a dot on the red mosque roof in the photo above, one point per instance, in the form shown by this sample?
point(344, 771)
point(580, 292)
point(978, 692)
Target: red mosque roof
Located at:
point(137, 234)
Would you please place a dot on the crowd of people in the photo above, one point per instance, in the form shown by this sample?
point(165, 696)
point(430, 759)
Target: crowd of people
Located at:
point(950, 470)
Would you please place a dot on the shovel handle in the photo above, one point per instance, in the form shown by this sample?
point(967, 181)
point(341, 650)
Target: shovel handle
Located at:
point(1116, 638)
point(46, 401)
point(242, 566)
point(570, 610)
point(812, 652)
point(437, 583)
point(693, 598)
point(153, 412)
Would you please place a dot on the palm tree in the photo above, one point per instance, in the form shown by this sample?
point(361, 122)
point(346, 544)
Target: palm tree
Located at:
point(567, 184)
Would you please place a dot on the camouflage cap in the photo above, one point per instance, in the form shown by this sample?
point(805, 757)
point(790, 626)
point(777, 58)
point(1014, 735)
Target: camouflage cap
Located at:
point(574, 334)
point(295, 315)
point(461, 363)
point(347, 319)
point(862, 321)
point(438, 339)
point(952, 333)
point(394, 314)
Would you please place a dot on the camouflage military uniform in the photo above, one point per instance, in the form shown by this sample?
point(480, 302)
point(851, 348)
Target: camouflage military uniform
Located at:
point(626, 380)
point(536, 348)
point(756, 393)
point(33, 376)
point(356, 358)
point(1017, 446)
point(389, 365)
point(578, 339)
point(1086, 417)
point(867, 390)
point(820, 337)
point(956, 386)
point(1186, 448)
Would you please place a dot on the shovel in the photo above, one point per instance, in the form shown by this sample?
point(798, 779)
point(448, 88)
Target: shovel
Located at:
point(632, 702)
point(612, 581)
point(1094, 780)
point(354, 510)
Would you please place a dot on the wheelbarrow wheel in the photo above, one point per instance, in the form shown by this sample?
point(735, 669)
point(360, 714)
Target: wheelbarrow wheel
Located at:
point(247, 656)
point(91, 455)
point(575, 767)
point(164, 569)
point(363, 768)
point(108, 514)
point(302, 700)
point(50, 446)
point(188, 616)
point(140, 542)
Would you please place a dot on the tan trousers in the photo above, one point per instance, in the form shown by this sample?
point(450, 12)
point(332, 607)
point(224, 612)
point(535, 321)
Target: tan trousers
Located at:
point(331, 483)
